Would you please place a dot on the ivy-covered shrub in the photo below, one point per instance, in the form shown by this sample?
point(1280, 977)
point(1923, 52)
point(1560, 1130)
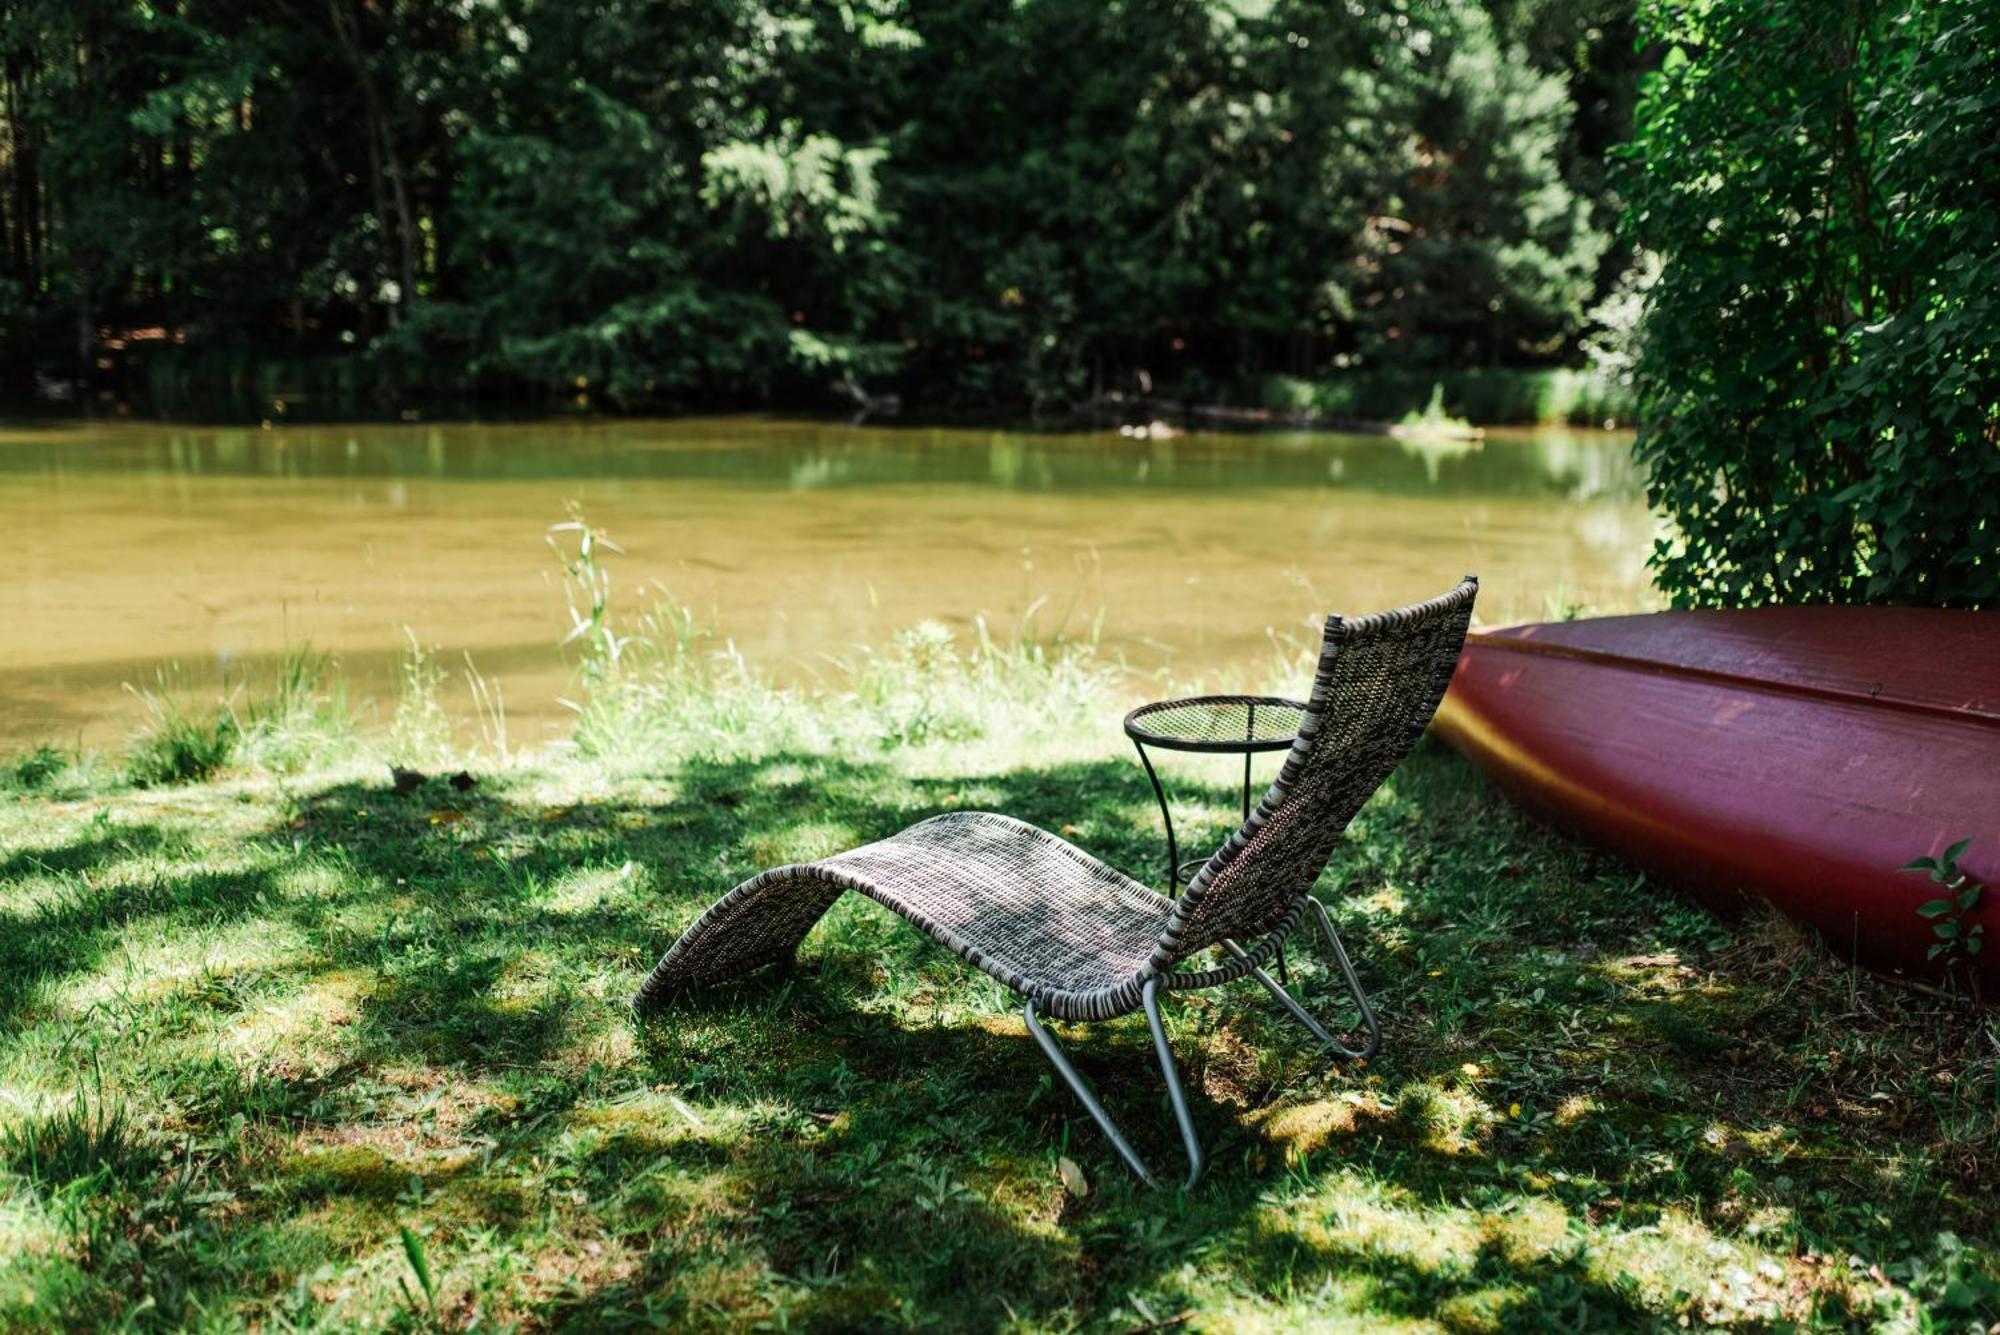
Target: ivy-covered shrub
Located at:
point(1820, 375)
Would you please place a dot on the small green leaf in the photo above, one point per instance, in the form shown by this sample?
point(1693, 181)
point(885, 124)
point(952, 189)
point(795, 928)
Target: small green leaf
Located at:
point(1918, 864)
point(1951, 854)
point(1969, 897)
point(1934, 908)
point(413, 1249)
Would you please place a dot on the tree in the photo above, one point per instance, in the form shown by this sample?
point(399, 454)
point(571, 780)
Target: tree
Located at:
point(1821, 363)
point(1479, 252)
point(987, 204)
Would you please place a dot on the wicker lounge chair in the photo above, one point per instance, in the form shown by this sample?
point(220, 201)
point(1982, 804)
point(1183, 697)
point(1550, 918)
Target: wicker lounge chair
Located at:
point(1081, 941)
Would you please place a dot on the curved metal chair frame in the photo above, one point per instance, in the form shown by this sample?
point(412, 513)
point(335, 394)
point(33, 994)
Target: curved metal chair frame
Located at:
point(1080, 940)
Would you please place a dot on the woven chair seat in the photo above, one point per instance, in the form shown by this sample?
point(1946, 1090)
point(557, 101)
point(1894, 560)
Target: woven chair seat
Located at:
point(1035, 911)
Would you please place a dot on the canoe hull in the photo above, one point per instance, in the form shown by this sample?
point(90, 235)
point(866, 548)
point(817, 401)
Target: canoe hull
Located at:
point(1798, 756)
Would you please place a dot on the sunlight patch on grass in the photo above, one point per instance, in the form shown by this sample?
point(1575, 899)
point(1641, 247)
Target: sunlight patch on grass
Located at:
point(1302, 1128)
point(313, 879)
point(1681, 1260)
point(1443, 1119)
point(651, 1120)
point(301, 1022)
point(28, 1230)
point(1529, 1229)
point(1349, 1215)
point(1386, 900)
point(1484, 1311)
point(1576, 1108)
point(807, 841)
point(153, 963)
point(36, 1284)
point(1335, 1307)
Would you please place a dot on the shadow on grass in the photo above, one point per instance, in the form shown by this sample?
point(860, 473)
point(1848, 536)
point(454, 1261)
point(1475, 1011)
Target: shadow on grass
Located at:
point(869, 1135)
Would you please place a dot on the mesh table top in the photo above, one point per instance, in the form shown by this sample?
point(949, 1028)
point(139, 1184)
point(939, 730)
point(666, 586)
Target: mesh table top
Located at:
point(1237, 723)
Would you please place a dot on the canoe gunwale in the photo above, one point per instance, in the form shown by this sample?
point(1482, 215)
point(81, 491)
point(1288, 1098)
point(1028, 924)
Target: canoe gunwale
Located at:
point(1495, 641)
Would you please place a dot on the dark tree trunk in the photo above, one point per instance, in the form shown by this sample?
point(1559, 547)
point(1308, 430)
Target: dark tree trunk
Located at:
point(385, 173)
point(25, 238)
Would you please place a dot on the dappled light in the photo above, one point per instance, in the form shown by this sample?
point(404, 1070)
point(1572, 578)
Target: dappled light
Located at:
point(335, 1015)
point(999, 666)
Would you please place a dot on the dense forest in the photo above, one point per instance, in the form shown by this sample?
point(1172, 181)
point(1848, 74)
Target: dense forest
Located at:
point(974, 204)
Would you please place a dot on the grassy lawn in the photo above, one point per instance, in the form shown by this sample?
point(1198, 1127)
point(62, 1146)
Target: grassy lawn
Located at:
point(286, 1049)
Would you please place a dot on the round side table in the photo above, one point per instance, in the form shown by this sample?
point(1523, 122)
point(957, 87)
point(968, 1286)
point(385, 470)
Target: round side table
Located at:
point(1242, 725)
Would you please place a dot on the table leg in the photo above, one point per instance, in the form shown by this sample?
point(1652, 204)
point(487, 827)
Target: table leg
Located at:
point(1173, 849)
point(1249, 735)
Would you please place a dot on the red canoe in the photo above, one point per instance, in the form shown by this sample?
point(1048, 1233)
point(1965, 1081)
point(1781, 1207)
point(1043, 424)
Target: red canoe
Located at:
point(1799, 755)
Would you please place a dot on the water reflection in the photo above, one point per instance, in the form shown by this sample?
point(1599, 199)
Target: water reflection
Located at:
point(131, 546)
point(810, 455)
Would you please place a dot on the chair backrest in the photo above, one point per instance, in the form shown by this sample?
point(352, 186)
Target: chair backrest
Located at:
point(1380, 679)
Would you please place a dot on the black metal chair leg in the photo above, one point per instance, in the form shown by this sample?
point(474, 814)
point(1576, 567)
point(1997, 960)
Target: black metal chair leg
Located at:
point(1149, 997)
point(1354, 989)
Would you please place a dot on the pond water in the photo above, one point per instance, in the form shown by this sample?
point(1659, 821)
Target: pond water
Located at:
point(135, 550)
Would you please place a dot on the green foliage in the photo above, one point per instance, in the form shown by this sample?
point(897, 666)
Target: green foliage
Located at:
point(1445, 271)
point(1821, 366)
point(979, 202)
point(1433, 417)
point(1950, 915)
point(1481, 395)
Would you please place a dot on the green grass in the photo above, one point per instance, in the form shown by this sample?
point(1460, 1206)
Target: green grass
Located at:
point(256, 1029)
point(284, 1048)
point(299, 719)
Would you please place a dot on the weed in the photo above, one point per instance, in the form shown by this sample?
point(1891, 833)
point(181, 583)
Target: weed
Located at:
point(175, 745)
point(89, 1140)
point(420, 1266)
point(1950, 915)
point(421, 730)
point(302, 719)
point(40, 769)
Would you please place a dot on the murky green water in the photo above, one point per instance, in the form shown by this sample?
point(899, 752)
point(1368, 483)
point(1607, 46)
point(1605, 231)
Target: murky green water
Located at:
point(137, 548)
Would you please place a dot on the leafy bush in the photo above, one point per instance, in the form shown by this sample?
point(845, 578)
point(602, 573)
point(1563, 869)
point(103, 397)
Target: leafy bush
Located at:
point(1820, 377)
